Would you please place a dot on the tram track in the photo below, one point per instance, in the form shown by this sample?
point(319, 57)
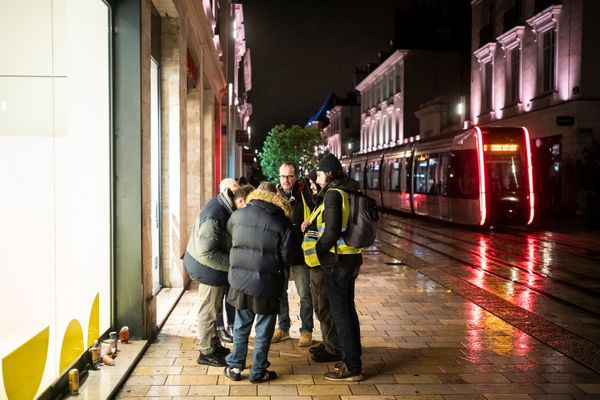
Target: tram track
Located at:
point(589, 252)
point(499, 256)
point(454, 253)
point(570, 327)
point(498, 275)
point(535, 244)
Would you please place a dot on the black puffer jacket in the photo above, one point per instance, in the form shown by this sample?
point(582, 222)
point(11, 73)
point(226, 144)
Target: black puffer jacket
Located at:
point(263, 244)
point(332, 218)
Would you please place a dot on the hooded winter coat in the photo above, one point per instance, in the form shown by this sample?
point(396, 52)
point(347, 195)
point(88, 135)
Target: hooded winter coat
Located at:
point(206, 256)
point(263, 244)
point(332, 219)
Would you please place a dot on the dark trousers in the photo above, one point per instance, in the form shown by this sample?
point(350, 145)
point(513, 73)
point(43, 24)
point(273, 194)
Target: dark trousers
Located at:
point(340, 282)
point(321, 306)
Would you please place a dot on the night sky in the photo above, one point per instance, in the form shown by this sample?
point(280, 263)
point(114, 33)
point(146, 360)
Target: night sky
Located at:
point(303, 50)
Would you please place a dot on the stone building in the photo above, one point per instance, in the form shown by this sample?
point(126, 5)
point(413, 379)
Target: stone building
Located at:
point(535, 64)
point(392, 93)
point(117, 122)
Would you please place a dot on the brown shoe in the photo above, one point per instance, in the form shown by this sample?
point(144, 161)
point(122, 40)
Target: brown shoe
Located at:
point(280, 335)
point(305, 339)
point(344, 374)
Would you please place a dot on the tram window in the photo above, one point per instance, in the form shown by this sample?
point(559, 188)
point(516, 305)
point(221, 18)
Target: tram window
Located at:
point(408, 172)
point(443, 174)
point(421, 176)
point(432, 167)
point(465, 175)
point(505, 173)
point(373, 176)
point(357, 173)
point(395, 175)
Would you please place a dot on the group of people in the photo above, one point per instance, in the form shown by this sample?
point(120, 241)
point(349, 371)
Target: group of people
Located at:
point(244, 246)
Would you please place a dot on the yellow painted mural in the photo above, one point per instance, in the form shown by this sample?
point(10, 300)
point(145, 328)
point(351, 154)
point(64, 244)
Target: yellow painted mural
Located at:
point(22, 370)
point(72, 345)
point(94, 323)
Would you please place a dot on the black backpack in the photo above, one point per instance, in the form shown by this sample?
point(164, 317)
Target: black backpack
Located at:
point(362, 222)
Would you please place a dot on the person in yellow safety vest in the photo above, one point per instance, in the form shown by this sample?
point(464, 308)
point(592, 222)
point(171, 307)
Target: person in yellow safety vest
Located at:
point(340, 262)
point(297, 192)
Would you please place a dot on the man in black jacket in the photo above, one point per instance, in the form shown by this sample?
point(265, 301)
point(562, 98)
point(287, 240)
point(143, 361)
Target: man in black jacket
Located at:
point(264, 244)
point(297, 192)
point(340, 263)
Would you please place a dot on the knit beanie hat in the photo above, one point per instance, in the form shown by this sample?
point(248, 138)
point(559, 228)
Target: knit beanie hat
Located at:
point(329, 163)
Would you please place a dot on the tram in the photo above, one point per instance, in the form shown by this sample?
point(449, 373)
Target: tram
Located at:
point(479, 176)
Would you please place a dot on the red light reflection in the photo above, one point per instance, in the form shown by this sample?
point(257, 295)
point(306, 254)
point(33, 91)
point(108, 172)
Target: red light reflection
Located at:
point(525, 298)
point(479, 273)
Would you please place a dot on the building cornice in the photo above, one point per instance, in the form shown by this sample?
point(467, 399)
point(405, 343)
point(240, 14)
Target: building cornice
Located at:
point(201, 27)
point(396, 56)
point(511, 39)
point(545, 20)
point(485, 53)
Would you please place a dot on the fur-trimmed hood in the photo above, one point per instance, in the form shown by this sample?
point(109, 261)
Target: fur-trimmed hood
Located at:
point(272, 198)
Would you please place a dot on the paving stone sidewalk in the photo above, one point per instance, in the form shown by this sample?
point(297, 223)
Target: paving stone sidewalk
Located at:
point(420, 341)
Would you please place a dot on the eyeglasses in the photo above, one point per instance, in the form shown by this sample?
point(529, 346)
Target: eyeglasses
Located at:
point(289, 177)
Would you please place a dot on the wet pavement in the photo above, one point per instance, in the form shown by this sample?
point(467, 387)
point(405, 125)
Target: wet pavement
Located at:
point(554, 278)
point(430, 330)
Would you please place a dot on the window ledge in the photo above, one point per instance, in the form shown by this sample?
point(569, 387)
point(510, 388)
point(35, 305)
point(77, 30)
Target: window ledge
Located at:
point(543, 100)
point(486, 117)
point(512, 109)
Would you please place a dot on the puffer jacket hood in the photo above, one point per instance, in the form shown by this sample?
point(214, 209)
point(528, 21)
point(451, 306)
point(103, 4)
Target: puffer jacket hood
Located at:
point(272, 198)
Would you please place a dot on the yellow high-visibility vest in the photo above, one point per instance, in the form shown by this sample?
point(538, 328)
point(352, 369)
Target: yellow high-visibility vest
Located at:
point(306, 208)
point(311, 237)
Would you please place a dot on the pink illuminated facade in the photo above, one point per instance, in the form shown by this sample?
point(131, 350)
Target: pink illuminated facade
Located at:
point(342, 132)
point(534, 63)
point(393, 93)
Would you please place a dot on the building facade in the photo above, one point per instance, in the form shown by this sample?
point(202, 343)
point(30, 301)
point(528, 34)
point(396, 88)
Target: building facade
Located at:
point(534, 63)
point(342, 133)
point(392, 93)
point(114, 131)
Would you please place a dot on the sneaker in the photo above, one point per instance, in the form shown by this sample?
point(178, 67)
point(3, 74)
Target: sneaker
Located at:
point(231, 374)
point(325, 356)
point(305, 339)
point(221, 351)
point(344, 374)
point(280, 335)
point(224, 336)
point(214, 360)
point(267, 376)
point(317, 349)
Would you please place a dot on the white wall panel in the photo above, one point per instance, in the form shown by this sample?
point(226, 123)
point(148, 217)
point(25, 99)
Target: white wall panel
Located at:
point(26, 106)
point(55, 248)
point(26, 37)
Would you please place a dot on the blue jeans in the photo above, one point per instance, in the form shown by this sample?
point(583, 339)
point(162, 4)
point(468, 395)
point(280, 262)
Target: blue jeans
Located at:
point(301, 276)
point(340, 282)
point(265, 326)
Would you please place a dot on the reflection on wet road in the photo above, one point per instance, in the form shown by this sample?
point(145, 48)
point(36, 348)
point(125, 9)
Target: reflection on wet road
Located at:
point(556, 277)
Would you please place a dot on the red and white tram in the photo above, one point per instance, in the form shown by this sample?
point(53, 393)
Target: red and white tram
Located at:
point(480, 176)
